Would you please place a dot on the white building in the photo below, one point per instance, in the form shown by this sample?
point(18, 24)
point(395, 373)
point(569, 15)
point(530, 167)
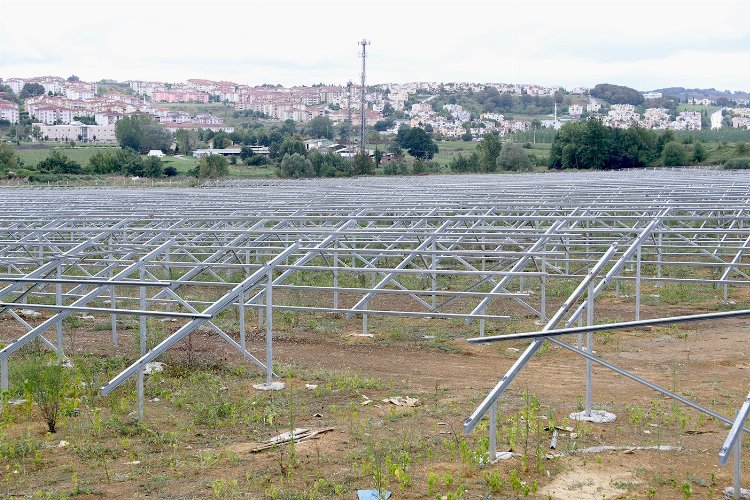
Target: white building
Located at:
point(77, 131)
point(50, 115)
point(575, 110)
point(9, 111)
point(593, 106)
point(652, 95)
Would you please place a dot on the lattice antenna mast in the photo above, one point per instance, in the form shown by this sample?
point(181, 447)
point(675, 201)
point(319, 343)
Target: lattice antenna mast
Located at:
point(349, 87)
point(362, 105)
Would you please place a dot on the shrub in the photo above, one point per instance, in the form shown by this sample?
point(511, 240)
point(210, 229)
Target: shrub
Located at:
point(674, 154)
point(47, 384)
point(213, 166)
point(737, 164)
point(513, 157)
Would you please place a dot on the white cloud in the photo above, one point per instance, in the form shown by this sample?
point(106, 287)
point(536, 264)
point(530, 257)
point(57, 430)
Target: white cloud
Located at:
point(646, 44)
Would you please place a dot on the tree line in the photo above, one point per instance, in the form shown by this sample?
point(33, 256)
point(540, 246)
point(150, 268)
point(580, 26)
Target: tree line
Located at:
point(593, 145)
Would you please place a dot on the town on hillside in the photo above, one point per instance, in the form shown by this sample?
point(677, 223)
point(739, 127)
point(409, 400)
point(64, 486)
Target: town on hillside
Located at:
point(57, 109)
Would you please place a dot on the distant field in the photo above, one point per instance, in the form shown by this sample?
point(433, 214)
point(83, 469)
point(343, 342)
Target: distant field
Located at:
point(697, 107)
point(80, 154)
point(449, 149)
point(185, 164)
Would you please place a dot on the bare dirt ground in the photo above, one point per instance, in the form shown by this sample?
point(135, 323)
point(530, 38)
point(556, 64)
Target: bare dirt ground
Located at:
point(195, 439)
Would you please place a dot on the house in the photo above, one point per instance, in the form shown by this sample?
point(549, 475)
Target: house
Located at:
point(575, 110)
point(158, 153)
point(593, 106)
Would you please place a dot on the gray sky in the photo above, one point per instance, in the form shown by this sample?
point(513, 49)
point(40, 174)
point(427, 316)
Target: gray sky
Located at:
point(644, 44)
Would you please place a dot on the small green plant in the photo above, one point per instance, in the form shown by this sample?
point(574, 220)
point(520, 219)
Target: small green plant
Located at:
point(494, 482)
point(687, 490)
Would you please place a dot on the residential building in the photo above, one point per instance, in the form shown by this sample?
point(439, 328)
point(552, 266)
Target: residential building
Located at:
point(575, 110)
point(9, 111)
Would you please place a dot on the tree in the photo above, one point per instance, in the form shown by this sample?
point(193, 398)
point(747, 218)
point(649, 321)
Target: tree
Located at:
point(464, 164)
point(31, 90)
point(153, 168)
point(213, 166)
point(417, 142)
point(388, 110)
point(295, 165)
point(383, 125)
point(246, 152)
point(617, 94)
point(395, 150)
point(73, 78)
point(292, 146)
point(186, 140)
point(513, 157)
point(699, 152)
point(466, 136)
point(345, 131)
point(7, 157)
point(320, 127)
point(102, 162)
point(141, 133)
point(674, 154)
point(221, 140)
point(36, 132)
point(597, 145)
point(488, 149)
point(362, 164)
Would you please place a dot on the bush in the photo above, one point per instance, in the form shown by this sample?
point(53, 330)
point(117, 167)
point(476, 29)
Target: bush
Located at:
point(396, 167)
point(256, 161)
point(737, 164)
point(46, 384)
point(513, 157)
point(674, 154)
point(213, 166)
point(295, 165)
point(170, 171)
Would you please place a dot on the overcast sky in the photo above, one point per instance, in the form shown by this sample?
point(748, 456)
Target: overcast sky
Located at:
point(643, 44)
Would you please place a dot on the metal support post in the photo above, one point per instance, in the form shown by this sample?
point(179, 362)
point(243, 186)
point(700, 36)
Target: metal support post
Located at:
point(658, 254)
point(738, 468)
point(543, 299)
point(3, 374)
point(58, 328)
point(493, 432)
point(638, 285)
point(269, 327)
point(241, 305)
point(481, 324)
point(589, 346)
point(142, 341)
point(336, 273)
point(433, 280)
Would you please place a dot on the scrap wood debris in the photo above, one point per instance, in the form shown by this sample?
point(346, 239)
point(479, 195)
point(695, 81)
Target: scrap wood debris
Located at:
point(299, 435)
